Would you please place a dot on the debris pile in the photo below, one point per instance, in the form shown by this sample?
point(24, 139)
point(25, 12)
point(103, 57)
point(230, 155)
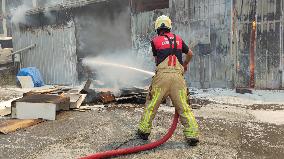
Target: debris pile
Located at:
point(132, 95)
point(41, 104)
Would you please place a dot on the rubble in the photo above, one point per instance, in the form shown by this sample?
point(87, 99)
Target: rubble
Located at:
point(37, 103)
point(45, 102)
point(132, 95)
point(106, 97)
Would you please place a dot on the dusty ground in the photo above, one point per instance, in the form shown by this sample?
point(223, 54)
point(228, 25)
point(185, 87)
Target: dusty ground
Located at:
point(227, 131)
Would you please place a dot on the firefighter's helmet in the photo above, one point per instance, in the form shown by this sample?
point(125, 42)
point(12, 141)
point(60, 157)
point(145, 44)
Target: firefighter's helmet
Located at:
point(163, 22)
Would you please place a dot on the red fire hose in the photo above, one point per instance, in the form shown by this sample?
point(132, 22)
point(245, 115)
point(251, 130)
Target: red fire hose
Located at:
point(136, 149)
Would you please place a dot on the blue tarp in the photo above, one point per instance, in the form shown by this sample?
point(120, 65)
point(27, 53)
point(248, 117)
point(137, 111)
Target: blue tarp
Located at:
point(35, 75)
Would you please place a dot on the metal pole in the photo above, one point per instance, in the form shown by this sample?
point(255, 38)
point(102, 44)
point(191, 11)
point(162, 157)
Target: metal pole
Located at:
point(281, 57)
point(23, 49)
point(4, 19)
point(34, 3)
point(253, 48)
point(231, 41)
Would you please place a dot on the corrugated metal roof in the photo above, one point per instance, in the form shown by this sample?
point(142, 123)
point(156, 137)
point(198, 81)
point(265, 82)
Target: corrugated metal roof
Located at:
point(54, 54)
point(66, 4)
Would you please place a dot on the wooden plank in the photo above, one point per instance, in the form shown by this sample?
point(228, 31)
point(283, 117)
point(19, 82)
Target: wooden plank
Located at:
point(26, 81)
point(45, 90)
point(76, 100)
point(8, 126)
point(5, 111)
point(44, 98)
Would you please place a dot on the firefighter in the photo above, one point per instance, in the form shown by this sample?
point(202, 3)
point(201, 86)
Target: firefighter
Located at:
point(169, 81)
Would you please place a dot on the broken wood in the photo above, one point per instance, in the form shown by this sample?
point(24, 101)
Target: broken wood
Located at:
point(107, 97)
point(8, 126)
point(132, 95)
point(87, 84)
point(49, 90)
point(4, 112)
point(92, 107)
point(76, 100)
point(243, 90)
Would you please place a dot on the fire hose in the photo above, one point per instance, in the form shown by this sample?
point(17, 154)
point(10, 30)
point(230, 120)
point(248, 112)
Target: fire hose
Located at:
point(136, 149)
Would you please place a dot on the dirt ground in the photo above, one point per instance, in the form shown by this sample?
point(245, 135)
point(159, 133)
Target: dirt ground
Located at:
point(226, 132)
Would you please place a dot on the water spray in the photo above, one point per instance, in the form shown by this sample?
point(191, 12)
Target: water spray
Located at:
point(102, 63)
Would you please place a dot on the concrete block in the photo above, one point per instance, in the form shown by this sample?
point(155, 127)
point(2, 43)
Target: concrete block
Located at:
point(39, 106)
point(26, 110)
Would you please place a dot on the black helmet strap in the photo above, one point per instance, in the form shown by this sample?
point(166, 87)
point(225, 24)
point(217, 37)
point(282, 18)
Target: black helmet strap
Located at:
point(173, 50)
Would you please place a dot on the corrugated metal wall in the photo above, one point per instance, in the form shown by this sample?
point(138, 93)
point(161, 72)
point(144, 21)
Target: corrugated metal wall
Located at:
point(142, 25)
point(282, 46)
point(55, 53)
point(269, 41)
point(222, 29)
point(205, 22)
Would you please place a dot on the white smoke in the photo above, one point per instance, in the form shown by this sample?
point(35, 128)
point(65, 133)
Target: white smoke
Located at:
point(104, 37)
point(19, 13)
point(103, 32)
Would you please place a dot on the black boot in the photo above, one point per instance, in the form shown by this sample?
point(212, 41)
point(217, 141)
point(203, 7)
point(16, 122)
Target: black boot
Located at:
point(192, 141)
point(143, 136)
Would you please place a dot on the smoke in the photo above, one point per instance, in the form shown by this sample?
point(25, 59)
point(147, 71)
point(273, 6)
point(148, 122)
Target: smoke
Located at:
point(103, 33)
point(19, 13)
point(49, 15)
point(104, 36)
point(103, 29)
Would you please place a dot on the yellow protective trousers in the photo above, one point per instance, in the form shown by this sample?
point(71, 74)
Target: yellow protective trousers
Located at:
point(169, 81)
